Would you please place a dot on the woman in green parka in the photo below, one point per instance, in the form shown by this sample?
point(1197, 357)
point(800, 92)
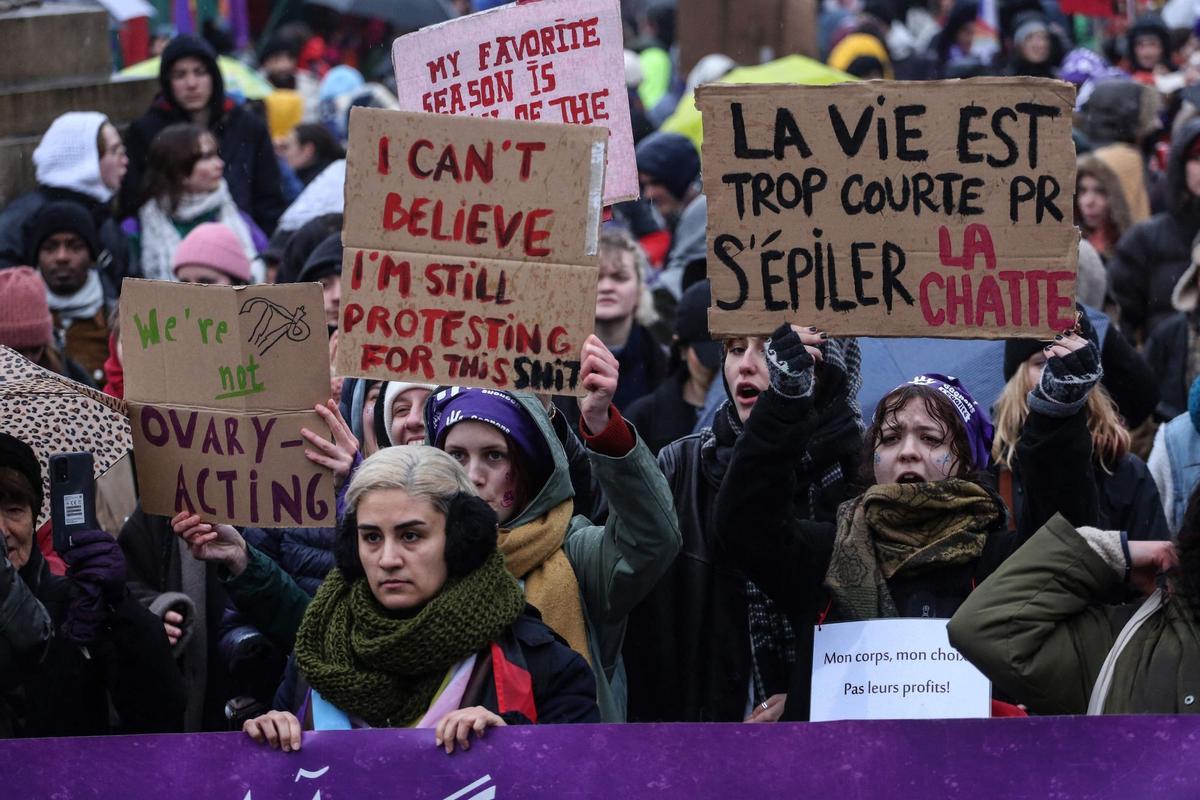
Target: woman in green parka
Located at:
point(1042, 630)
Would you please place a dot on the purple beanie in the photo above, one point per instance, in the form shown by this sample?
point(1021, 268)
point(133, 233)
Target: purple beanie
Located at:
point(975, 419)
point(498, 409)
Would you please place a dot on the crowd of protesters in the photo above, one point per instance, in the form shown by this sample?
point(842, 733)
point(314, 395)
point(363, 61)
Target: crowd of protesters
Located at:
point(660, 549)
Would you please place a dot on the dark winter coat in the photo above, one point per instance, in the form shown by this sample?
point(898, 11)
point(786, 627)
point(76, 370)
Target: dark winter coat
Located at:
point(562, 684)
point(1167, 353)
point(642, 365)
point(687, 649)
point(663, 416)
point(130, 666)
point(245, 145)
point(788, 557)
point(25, 635)
point(1127, 500)
point(1153, 254)
point(304, 553)
point(154, 572)
point(17, 219)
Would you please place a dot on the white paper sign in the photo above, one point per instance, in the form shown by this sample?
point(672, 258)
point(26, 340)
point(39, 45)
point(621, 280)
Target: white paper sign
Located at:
point(893, 669)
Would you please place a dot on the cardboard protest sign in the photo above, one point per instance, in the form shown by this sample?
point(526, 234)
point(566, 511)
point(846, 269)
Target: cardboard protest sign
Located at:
point(470, 250)
point(893, 669)
point(937, 209)
point(219, 382)
point(554, 61)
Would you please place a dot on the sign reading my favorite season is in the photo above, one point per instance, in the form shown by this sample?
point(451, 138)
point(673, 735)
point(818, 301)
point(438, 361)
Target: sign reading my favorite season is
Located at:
point(891, 209)
point(470, 250)
point(219, 382)
point(552, 60)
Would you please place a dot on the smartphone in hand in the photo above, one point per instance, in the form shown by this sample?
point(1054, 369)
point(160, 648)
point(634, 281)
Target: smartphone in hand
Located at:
point(72, 497)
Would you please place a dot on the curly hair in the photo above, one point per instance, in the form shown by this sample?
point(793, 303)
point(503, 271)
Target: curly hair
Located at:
point(937, 406)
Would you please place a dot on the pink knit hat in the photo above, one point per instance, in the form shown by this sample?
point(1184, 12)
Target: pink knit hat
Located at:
point(213, 245)
point(24, 313)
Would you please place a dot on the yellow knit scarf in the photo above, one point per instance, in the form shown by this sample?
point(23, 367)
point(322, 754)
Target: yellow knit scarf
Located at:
point(533, 553)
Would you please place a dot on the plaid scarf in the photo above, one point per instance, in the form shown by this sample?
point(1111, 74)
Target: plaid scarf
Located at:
point(900, 529)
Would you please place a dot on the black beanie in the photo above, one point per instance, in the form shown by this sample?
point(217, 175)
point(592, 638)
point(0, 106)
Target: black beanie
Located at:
point(670, 159)
point(17, 455)
point(325, 259)
point(61, 216)
point(1018, 351)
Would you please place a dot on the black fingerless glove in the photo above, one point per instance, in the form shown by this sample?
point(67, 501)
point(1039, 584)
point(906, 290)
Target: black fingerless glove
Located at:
point(789, 364)
point(1066, 381)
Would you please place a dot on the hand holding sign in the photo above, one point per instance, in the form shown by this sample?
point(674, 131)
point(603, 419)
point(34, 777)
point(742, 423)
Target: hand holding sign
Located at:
point(599, 374)
point(337, 455)
point(792, 353)
point(218, 543)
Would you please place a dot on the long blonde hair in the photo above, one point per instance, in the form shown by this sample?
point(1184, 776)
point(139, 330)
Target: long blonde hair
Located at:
point(1110, 438)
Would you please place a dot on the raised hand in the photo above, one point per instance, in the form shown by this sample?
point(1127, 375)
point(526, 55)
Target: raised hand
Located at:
point(337, 455)
point(792, 352)
point(598, 373)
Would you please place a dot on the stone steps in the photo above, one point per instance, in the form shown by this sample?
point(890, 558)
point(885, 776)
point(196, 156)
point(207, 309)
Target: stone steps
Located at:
point(55, 58)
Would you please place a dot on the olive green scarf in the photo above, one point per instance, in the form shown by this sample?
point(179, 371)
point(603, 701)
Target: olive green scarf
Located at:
point(900, 529)
point(386, 669)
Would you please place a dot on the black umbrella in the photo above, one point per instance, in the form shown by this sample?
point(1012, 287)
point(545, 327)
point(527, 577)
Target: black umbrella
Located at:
point(405, 14)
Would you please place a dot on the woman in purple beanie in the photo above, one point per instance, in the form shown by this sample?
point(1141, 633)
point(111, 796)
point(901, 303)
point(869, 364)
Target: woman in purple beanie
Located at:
point(926, 531)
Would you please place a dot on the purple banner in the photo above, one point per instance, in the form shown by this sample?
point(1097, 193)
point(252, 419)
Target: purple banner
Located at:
point(1065, 758)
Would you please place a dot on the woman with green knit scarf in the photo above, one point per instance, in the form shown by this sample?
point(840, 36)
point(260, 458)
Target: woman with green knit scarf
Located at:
point(420, 625)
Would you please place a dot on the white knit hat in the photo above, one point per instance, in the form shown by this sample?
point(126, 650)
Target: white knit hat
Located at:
point(67, 156)
point(394, 390)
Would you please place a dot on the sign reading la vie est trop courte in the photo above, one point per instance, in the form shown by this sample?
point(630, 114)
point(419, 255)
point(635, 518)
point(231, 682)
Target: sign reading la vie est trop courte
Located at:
point(219, 382)
point(937, 208)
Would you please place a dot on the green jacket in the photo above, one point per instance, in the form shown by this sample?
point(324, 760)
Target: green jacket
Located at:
point(1039, 629)
point(616, 564)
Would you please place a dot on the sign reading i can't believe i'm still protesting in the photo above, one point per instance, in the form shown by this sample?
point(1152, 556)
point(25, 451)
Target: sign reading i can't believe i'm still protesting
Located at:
point(220, 381)
point(470, 250)
point(936, 209)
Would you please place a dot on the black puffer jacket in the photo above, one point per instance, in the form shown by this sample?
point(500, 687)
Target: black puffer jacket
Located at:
point(1153, 254)
point(70, 693)
point(304, 553)
point(245, 145)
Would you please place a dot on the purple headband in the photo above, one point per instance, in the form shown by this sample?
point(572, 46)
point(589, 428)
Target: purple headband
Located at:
point(498, 409)
point(976, 421)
